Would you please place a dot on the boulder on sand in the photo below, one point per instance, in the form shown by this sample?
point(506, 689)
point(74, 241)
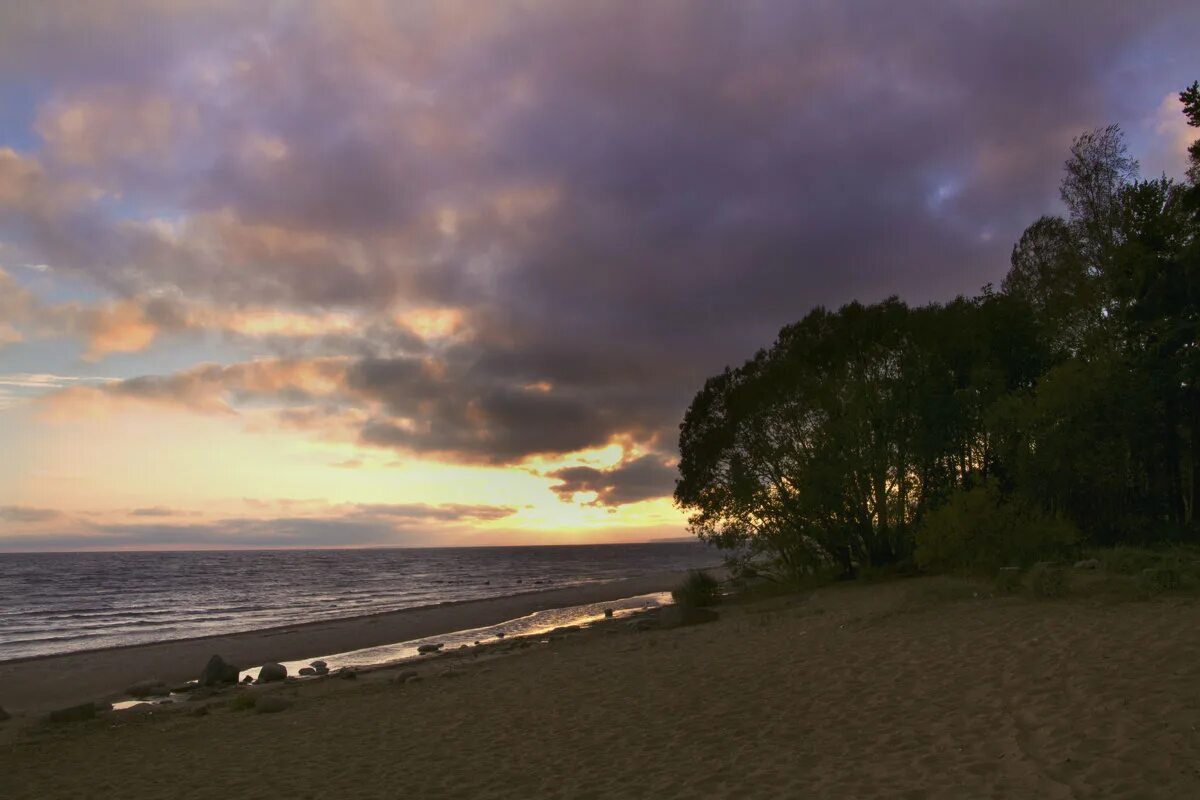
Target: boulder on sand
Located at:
point(272, 673)
point(307, 671)
point(429, 648)
point(218, 671)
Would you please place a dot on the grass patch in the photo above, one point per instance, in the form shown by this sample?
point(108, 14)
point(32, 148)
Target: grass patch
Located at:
point(242, 702)
point(1049, 581)
point(698, 590)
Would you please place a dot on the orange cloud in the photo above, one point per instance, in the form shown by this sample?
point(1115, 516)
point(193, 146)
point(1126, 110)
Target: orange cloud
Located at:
point(207, 388)
point(113, 124)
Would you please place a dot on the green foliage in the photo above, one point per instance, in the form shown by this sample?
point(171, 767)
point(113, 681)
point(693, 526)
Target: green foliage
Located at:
point(982, 529)
point(1049, 581)
point(1008, 580)
point(698, 590)
point(1155, 580)
point(1190, 97)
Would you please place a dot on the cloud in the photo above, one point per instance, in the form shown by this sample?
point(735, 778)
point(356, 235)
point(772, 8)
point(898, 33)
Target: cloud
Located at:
point(489, 233)
point(231, 533)
point(440, 513)
point(156, 511)
point(28, 514)
point(631, 481)
point(208, 388)
point(112, 126)
point(355, 525)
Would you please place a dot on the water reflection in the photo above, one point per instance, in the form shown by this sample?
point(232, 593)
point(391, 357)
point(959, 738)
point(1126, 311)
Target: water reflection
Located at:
point(529, 625)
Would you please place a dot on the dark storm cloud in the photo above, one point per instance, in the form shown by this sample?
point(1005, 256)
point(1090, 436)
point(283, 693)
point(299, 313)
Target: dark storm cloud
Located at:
point(632, 481)
point(621, 198)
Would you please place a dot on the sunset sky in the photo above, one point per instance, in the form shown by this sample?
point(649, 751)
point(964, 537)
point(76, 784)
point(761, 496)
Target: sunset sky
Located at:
point(278, 274)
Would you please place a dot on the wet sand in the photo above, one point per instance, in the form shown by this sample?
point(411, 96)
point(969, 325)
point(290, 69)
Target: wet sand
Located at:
point(44, 682)
point(913, 689)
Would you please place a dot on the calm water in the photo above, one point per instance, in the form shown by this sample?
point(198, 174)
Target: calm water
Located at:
point(59, 602)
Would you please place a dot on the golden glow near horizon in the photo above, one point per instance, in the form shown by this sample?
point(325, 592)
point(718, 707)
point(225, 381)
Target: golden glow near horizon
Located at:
point(148, 466)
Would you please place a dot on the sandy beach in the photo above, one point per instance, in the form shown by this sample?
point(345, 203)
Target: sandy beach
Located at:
point(912, 689)
point(39, 684)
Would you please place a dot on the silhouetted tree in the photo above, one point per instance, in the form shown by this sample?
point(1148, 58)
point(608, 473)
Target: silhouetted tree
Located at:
point(1071, 397)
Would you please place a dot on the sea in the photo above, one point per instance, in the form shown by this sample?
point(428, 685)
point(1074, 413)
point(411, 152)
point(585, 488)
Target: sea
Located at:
point(65, 602)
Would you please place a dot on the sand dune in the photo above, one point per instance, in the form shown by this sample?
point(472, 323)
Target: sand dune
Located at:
point(854, 692)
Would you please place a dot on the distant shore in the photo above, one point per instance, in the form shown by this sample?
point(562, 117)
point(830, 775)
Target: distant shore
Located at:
point(39, 683)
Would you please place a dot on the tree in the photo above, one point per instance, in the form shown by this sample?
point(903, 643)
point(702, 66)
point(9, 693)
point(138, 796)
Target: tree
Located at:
point(1069, 400)
point(1190, 97)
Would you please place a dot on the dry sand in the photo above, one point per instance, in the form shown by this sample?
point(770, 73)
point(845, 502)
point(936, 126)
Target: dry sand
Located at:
point(907, 690)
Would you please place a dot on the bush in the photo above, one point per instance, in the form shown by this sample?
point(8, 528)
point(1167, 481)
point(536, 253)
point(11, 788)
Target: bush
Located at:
point(1049, 581)
point(1156, 580)
point(1008, 580)
point(699, 589)
point(1128, 560)
point(982, 529)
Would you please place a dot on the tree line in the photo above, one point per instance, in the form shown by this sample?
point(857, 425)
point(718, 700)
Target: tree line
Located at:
point(1062, 408)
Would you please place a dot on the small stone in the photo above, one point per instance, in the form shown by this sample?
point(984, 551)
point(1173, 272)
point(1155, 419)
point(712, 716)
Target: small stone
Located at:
point(248, 679)
point(500, 635)
point(348, 674)
point(429, 648)
point(4, 715)
point(272, 673)
point(271, 704)
point(608, 613)
point(307, 671)
point(318, 665)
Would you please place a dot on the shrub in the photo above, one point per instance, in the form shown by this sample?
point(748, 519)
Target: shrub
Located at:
point(1128, 560)
point(1156, 580)
point(1008, 580)
point(981, 529)
point(699, 589)
point(1049, 580)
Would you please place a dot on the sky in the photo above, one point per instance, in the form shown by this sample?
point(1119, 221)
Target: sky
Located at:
point(291, 274)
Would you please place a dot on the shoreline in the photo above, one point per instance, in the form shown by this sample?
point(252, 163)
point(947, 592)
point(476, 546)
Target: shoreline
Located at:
point(953, 689)
point(31, 684)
